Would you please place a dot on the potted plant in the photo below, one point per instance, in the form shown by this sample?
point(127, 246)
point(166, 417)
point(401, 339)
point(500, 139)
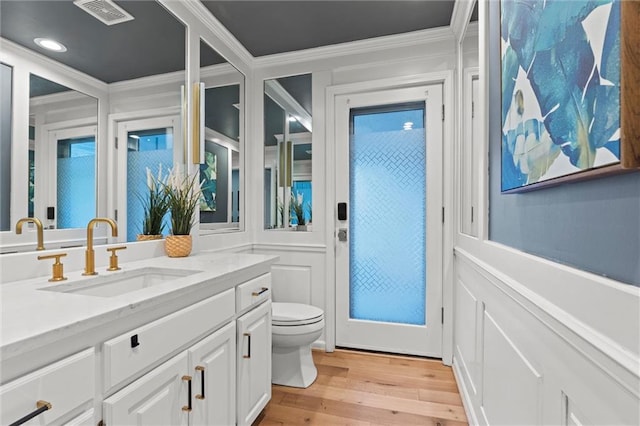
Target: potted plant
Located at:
point(183, 193)
point(155, 206)
point(297, 211)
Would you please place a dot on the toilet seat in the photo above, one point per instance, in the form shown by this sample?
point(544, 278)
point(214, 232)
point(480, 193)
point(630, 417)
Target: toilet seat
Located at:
point(295, 314)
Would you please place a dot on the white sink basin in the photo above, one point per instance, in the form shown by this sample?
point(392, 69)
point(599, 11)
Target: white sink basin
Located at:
point(122, 282)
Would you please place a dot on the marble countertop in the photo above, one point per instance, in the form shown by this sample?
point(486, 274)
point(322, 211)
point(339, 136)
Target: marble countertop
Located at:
point(31, 317)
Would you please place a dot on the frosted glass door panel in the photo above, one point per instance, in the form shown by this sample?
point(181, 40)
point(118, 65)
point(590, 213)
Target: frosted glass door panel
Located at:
point(76, 179)
point(387, 222)
point(147, 149)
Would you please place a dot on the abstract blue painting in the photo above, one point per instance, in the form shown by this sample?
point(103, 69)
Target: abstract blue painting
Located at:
point(560, 89)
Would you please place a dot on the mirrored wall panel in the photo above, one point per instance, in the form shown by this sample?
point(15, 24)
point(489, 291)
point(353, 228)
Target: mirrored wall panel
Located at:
point(6, 97)
point(139, 61)
point(223, 114)
point(471, 135)
point(288, 188)
point(62, 155)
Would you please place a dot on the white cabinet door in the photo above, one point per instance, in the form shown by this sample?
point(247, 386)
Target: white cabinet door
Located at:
point(254, 362)
point(155, 399)
point(213, 367)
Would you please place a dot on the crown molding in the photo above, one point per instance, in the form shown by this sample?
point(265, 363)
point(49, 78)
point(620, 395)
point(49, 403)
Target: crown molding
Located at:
point(220, 31)
point(395, 41)
point(176, 77)
point(462, 10)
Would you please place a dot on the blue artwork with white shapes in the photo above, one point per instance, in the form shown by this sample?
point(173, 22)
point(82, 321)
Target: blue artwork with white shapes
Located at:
point(560, 88)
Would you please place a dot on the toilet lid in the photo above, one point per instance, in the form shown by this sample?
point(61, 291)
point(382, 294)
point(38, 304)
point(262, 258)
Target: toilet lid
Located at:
point(295, 314)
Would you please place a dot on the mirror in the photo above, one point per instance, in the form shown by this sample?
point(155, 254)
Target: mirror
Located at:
point(132, 67)
point(6, 81)
point(62, 155)
point(470, 119)
point(223, 133)
point(288, 153)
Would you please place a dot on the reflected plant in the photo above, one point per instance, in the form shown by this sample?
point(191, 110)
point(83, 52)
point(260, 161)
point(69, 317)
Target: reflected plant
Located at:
point(155, 204)
point(183, 192)
point(297, 207)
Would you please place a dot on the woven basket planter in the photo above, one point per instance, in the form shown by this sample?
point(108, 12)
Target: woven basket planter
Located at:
point(178, 245)
point(143, 237)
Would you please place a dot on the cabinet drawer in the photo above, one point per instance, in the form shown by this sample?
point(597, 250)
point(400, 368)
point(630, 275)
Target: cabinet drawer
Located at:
point(132, 352)
point(67, 385)
point(253, 292)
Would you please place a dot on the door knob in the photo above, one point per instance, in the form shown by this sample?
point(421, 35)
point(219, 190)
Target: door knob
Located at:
point(342, 234)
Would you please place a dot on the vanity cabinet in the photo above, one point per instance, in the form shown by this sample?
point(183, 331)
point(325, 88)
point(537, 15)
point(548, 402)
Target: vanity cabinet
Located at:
point(67, 385)
point(254, 362)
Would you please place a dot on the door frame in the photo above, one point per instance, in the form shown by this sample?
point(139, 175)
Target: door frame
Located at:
point(332, 92)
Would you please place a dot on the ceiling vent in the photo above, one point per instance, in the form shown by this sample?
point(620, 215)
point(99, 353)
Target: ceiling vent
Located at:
point(105, 10)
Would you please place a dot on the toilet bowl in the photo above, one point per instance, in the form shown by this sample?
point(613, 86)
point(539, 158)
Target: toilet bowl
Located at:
point(294, 328)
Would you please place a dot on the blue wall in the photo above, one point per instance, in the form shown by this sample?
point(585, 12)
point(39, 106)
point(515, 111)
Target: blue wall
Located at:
point(593, 225)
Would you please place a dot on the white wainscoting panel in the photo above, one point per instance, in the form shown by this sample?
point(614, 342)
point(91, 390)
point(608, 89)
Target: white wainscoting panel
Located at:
point(518, 363)
point(466, 332)
point(299, 276)
point(291, 283)
point(511, 386)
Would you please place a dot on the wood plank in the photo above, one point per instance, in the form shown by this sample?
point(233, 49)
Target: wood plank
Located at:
point(357, 388)
point(361, 411)
point(421, 408)
point(401, 370)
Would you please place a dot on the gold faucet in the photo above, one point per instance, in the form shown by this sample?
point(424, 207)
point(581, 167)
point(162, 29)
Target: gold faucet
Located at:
point(38, 224)
point(89, 254)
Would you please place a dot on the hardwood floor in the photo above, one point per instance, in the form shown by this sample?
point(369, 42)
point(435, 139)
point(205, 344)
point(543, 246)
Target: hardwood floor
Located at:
point(359, 388)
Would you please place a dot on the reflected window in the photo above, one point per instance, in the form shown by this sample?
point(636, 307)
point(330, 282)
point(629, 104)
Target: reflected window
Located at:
point(76, 181)
point(150, 149)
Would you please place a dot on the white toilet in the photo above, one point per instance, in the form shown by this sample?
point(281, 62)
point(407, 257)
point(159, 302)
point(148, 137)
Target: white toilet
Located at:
point(294, 327)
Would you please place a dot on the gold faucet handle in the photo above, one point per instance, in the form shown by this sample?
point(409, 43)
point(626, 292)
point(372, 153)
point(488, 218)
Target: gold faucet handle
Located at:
point(113, 259)
point(58, 267)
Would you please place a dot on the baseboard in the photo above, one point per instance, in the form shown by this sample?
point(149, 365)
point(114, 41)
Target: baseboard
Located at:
point(464, 393)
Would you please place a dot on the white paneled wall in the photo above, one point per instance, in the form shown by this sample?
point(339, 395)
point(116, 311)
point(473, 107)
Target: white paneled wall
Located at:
point(299, 276)
point(518, 364)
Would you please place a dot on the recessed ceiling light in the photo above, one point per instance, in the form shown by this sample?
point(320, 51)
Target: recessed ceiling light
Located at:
point(408, 125)
point(134, 136)
point(292, 118)
point(49, 44)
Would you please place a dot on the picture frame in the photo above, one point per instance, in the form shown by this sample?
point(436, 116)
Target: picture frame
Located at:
point(570, 80)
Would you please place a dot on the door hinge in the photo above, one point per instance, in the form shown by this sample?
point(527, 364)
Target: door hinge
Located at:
point(442, 214)
point(442, 315)
point(116, 143)
point(471, 214)
point(442, 112)
point(115, 214)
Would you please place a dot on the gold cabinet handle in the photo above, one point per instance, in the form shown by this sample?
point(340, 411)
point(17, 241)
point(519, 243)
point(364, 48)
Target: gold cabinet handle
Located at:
point(258, 293)
point(113, 259)
point(187, 407)
point(57, 268)
point(201, 370)
point(41, 407)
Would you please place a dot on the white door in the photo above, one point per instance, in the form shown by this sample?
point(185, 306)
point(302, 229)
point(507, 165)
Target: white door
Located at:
point(254, 363)
point(213, 367)
point(389, 232)
point(65, 171)
point(151, 143)
point(157, 398)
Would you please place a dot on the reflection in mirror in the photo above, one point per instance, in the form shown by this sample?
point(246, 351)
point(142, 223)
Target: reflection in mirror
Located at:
point(223, 126)
point(6, 80)
point(288, 153)
point(62, 155)
point(471, 143)
point(140, 63)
